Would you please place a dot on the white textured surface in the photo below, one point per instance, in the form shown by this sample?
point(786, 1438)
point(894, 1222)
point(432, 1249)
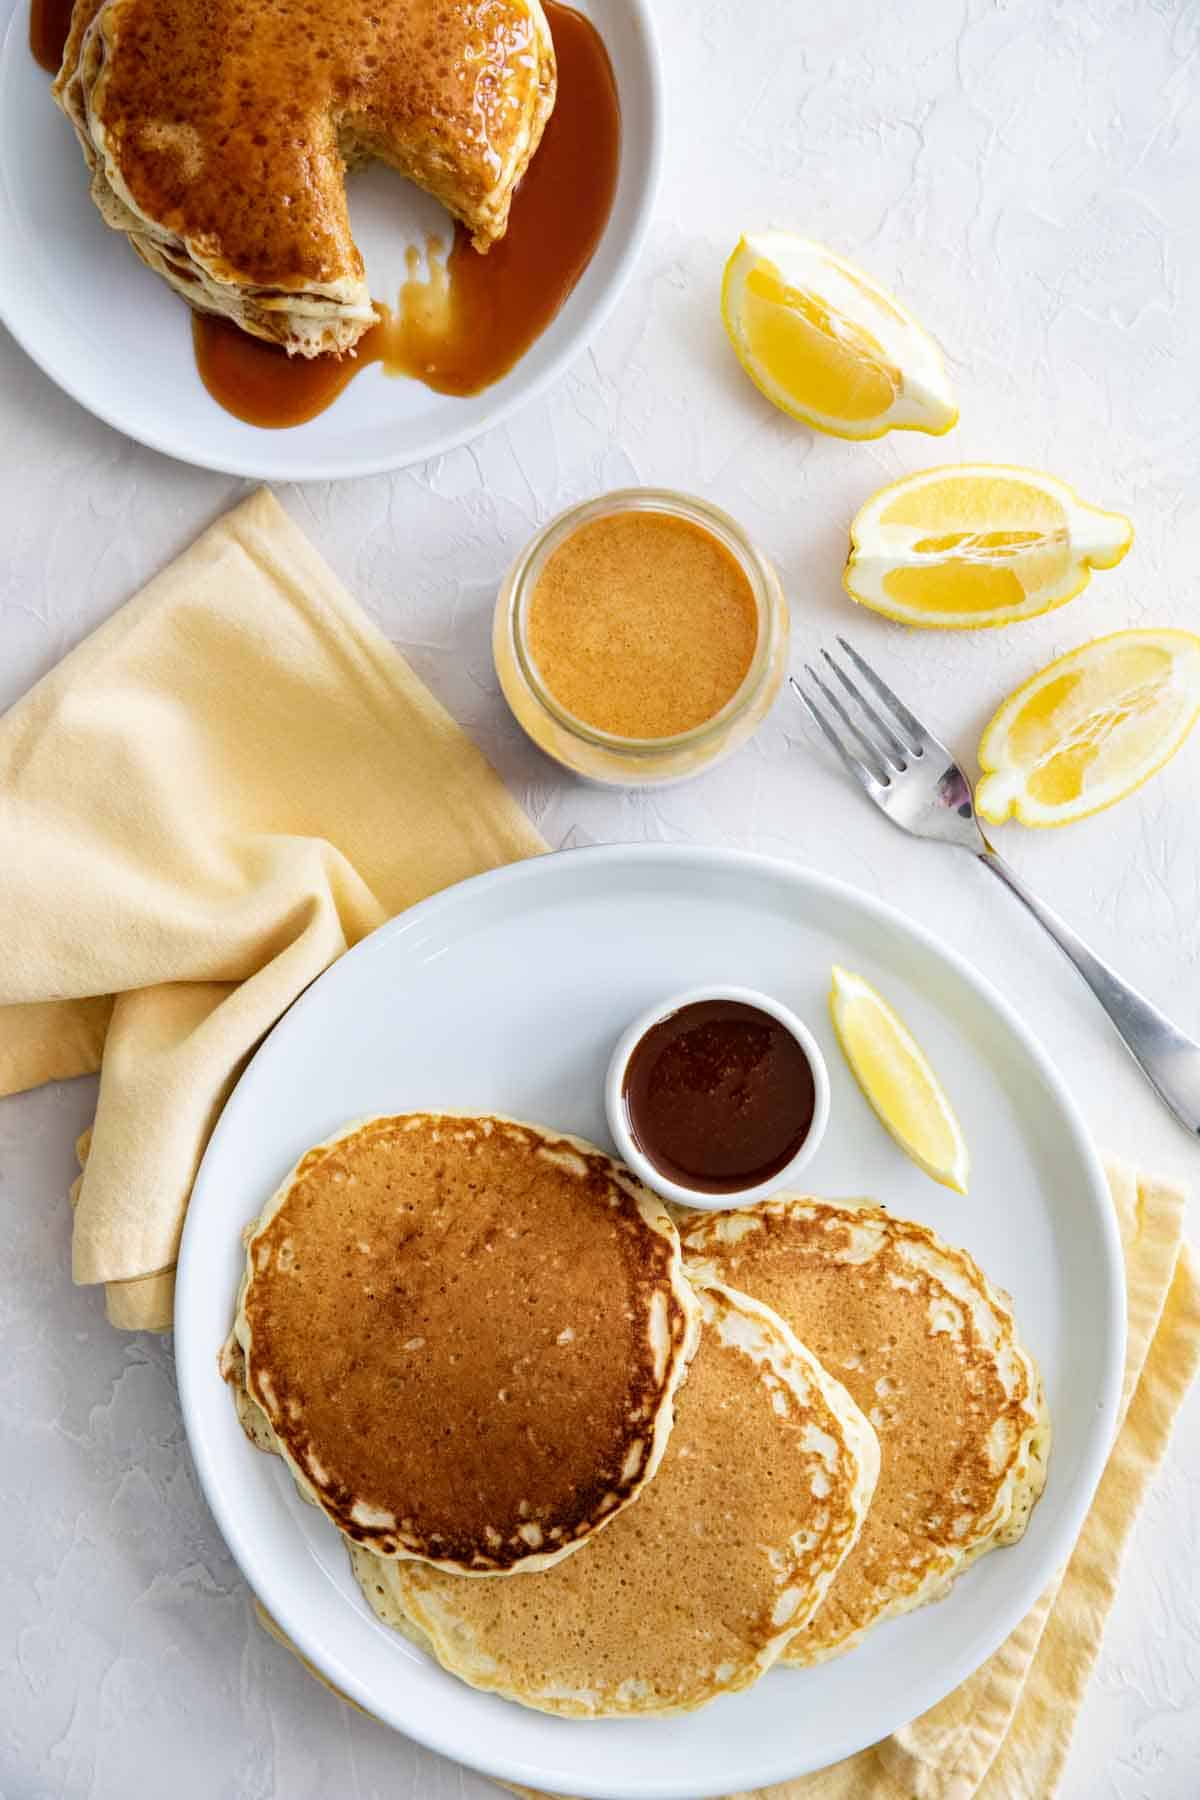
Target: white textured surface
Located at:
point(1025, 176)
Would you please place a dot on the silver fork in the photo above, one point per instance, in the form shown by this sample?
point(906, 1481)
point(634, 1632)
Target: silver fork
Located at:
point(915, 781)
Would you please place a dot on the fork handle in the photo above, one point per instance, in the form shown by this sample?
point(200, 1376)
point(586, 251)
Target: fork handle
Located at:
point(1169, 1060)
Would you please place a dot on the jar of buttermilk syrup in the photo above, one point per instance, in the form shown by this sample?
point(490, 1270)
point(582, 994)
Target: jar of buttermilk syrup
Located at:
point(640, 637)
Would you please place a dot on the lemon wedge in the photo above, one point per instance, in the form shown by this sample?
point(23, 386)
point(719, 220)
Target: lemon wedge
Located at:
point(829, 346)
point(978, 544)
point(1089, 728)
point(892, 1071)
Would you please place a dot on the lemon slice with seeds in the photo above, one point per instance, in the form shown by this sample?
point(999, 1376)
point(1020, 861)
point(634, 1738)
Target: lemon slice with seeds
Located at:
point(1089, 728)
point(828, 345)
point(894, 1074)
point(978, 544)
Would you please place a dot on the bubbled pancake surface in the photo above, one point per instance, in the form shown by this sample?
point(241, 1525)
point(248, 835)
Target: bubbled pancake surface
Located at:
point(219, 133)
point(695, 1590)
point(929, 1351)
point(465, 1334)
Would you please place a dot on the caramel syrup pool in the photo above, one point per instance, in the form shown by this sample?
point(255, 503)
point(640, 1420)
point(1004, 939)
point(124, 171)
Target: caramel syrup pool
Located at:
point(49, 24)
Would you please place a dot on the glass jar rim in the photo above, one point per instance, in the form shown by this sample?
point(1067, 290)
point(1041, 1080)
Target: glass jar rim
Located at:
point(527, 569)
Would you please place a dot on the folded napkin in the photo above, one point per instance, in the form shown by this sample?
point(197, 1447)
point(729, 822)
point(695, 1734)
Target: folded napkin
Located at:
point(209, 800)
point(1004, 1734)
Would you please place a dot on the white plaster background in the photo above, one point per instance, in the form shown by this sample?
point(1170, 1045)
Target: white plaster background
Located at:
point(1026, 176)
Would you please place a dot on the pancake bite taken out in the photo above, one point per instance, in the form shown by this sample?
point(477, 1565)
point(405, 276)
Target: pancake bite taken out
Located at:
point(219, 133)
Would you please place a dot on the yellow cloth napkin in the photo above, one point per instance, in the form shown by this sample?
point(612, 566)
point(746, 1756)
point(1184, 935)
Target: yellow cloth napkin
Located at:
point(1004, 1734)
point(215, 794)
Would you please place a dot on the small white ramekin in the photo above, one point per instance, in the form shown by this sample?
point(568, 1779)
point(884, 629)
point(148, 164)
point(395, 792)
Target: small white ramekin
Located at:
point(618, 1112)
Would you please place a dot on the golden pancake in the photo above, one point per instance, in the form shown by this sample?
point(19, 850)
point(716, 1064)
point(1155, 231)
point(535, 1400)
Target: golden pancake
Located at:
point(219, 133)
point(465, 1337)
point(696, 1590)
point(928, 1349)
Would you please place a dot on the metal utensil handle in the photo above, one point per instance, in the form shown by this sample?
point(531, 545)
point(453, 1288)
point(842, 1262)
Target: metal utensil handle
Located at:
point(1169, 1060)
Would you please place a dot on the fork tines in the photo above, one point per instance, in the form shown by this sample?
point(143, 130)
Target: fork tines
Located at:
point(886, 747)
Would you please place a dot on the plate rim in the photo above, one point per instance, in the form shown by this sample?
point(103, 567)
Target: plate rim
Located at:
point(192, 1364)
point(251, 466)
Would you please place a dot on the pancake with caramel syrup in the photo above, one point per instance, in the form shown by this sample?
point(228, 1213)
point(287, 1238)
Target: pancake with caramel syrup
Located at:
point(464, 1335)
point(696, 1590)
point(929, 1350)
point(219, 134)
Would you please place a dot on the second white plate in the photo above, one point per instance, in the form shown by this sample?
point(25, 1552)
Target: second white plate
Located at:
point(507, 994)
point(103, 327)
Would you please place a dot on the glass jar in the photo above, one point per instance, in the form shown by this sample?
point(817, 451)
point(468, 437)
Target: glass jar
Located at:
point(602, 756)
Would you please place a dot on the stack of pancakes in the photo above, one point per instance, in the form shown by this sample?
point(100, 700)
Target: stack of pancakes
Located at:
point(218, 134)
point(604, 1466)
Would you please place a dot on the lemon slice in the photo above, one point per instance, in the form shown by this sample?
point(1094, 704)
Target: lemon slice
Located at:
point(891, 1069)
point(978, 544)
point(827, 345)
point(1090, 727)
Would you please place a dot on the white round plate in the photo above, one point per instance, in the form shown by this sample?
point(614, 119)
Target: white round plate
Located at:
point(117, 339)
point(507, 994)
